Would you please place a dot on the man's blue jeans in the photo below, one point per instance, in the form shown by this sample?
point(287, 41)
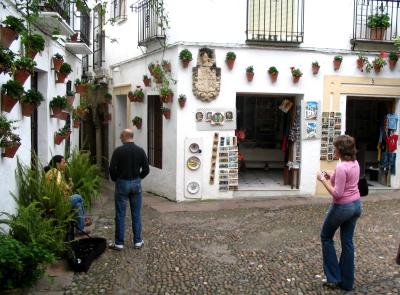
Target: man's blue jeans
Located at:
point(128, 190)
point(343, 216)
point(77, 204)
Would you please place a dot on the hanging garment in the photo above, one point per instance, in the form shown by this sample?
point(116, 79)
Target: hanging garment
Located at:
point(293, 132)
point(392, 120)
point(388, 161)
point(391, 143)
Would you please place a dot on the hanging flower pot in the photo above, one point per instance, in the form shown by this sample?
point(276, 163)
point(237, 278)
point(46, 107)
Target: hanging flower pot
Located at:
point(296, 79)
point(7, 37)
point(70, 99)
point(392, 64)
point(57, 63)
point(146, 81)
point(56, 111)
point(337, 61)
point(230, 63)
point(139, 125)
point(76, 123)
point(166, 66)
point(185, 63)
point(230, 59)
point(250, 73)
point(360, 64)
point(74, 37)
point(60, 77)
point(167, 98)
point(27, 108)
point(30, 52)
point(81, 88)
point(7, 102)
point(9, 152)
point(21, 76)
point(315, 67)
point(167, 113)
point(58, 139)
point(185, 56)
point(63, 115)
point(273, 77)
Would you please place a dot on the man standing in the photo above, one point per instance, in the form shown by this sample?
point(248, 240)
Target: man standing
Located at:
point(128, 166)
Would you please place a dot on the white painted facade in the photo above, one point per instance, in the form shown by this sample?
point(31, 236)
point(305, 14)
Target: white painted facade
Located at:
point(221, 25)
point(47, 126)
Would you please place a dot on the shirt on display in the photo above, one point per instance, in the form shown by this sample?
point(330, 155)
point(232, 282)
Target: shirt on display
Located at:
point(391, 142)
point(392, 121)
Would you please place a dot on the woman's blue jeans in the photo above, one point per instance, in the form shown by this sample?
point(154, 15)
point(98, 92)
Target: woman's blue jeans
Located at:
point(128, 190)
point(77, 204)
point(343, 216)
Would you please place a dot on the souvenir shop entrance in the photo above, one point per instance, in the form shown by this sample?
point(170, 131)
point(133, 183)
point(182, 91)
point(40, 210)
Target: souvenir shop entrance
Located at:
point(373, 123)
point(263, 125)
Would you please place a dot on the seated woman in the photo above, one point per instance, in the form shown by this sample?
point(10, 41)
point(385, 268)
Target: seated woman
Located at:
point(55, 170)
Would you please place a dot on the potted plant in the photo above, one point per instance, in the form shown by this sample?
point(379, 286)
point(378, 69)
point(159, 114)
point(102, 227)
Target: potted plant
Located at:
point(378, 23)
point(315, 67)
point(57, 105)
point(24, 66)
point(393, 57)
point(378, 63)
point(182, 100)
point(158, 73)
point(166, 93)
point(80, 86)
point(337, 61)
point(151, 67)
point(6, 60)
point(61, 134)
point(10, 143)
point(29, 101)
point(13, 26)
point(166, 112)
point(108, 98)
point(82, 110)
point(70, 96)
point(137, 95)
point(76, 119)
point(146, 81)
point(65, 70)
point(6, 125)
point(296, 74)
point(137, 121)
point(11, 92)
point(250, 73)
point(186, 57)
point(166, 65)
point(361, 61)
point(58, 60)
point(273, 73)
point(33, 43)
point(230, 59)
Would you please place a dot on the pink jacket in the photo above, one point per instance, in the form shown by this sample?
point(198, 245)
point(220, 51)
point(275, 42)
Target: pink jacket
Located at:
point(345, 182)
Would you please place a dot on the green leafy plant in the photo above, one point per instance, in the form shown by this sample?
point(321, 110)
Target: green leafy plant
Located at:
point(79, 82)
point(145, 77)
point(34, 42)
point(393, 56)
point(315, 64)
point(14, 23)
point(25, 63)
point(59, 101)
point(250, 69)
point(6, 125)
point(338, 58)
point(379, 62)
point(32, 96)
point(165, 109)
point(6, 60)
point(65, 69)
point(185, 55)
point(165, 90)
point(138, 92)
point(296, 72)
point(63, 131)
point(230, 55)
point(9, 139)
point(69, 93)
point(107, 95)
point(273, 70)
point(58, 56)
point(12, 88)
point(136, 120)
point(182, 97)
point(378, 20)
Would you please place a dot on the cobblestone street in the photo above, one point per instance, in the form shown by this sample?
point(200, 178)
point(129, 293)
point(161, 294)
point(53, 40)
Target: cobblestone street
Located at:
point(266, 248)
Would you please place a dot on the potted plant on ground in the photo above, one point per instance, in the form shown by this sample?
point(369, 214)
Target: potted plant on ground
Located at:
point(11, 92)
point(80, 86)
point(315, 67)
point(146, 81)
point(166, 65)
point(337, 61)
point(182, 100)
point(166, 93)
point(33, 43)
point(57, 105)
point(273, 73)
point(29, 101)
point(378, 63)
point(24, 67)
point(65, 70)
point(6, 60)
point(378, 23)
point(137, 121)
point(70, 96)
point(186, 57)
point(108, 98)
point(230, 59)
point(10, 143)
point(393, 57)
point(58, 60)
point(166, 112)
point(296, 74)
point(13, 26)
point(61, 134)
point(250, 73)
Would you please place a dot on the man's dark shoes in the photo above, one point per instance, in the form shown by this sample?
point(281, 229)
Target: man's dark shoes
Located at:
point(330, 285)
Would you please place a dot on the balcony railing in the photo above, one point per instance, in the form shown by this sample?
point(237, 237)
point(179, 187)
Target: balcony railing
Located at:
point(62, 7)
point(275, 21)
point(149, 22)
point(376, 21)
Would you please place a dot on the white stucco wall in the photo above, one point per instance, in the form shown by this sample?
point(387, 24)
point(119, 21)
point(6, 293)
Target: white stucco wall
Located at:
point(46, 125)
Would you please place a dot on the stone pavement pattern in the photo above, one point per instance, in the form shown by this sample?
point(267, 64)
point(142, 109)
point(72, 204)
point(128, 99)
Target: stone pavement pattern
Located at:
point(269, 248)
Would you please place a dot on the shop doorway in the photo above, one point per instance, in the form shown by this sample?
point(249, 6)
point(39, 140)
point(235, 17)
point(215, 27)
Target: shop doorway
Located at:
point(373, 124)
point(265, 151)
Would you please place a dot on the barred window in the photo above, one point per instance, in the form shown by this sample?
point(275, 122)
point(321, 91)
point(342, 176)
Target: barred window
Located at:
point(118, 9)
point(98, 37)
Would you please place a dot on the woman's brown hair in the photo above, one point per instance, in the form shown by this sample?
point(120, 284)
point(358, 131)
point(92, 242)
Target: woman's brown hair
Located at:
point(346, 147)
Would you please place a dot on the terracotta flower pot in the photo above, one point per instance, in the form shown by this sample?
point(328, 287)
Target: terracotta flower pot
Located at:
point(7, 102)
point(29, 52)
point(392, 64)
point(296, 79)
point(57, 63)
point(147, 82)
point(81, 88)
point(58, 139)
point(315, 69)
point(274, 77)
point(377, 33)
point(70, 100)
point(336, 64)
point(185, 63)
point(377, 69)
point(167, 114)
point(27, 108)
point(9, 152)
point(138, 125)
point(360, 64)
point(249, 76)
point(21, 76)
point(167, 67)
point(7, 37)
point(63, 115)
point(56, 111)
point(76, 123)
point(230, 63)
point(131, 98)
point(60, 77)
point(74, 37)
point(167, 98)
point(182, 103)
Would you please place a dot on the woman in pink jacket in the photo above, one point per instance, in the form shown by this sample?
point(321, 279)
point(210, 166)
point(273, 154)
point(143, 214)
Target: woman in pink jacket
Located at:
point(344, 211)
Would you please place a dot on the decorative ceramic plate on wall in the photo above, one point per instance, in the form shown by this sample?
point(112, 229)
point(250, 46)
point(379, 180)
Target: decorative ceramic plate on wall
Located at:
point(194, 147)
point(193, 187)
point(193, 163)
